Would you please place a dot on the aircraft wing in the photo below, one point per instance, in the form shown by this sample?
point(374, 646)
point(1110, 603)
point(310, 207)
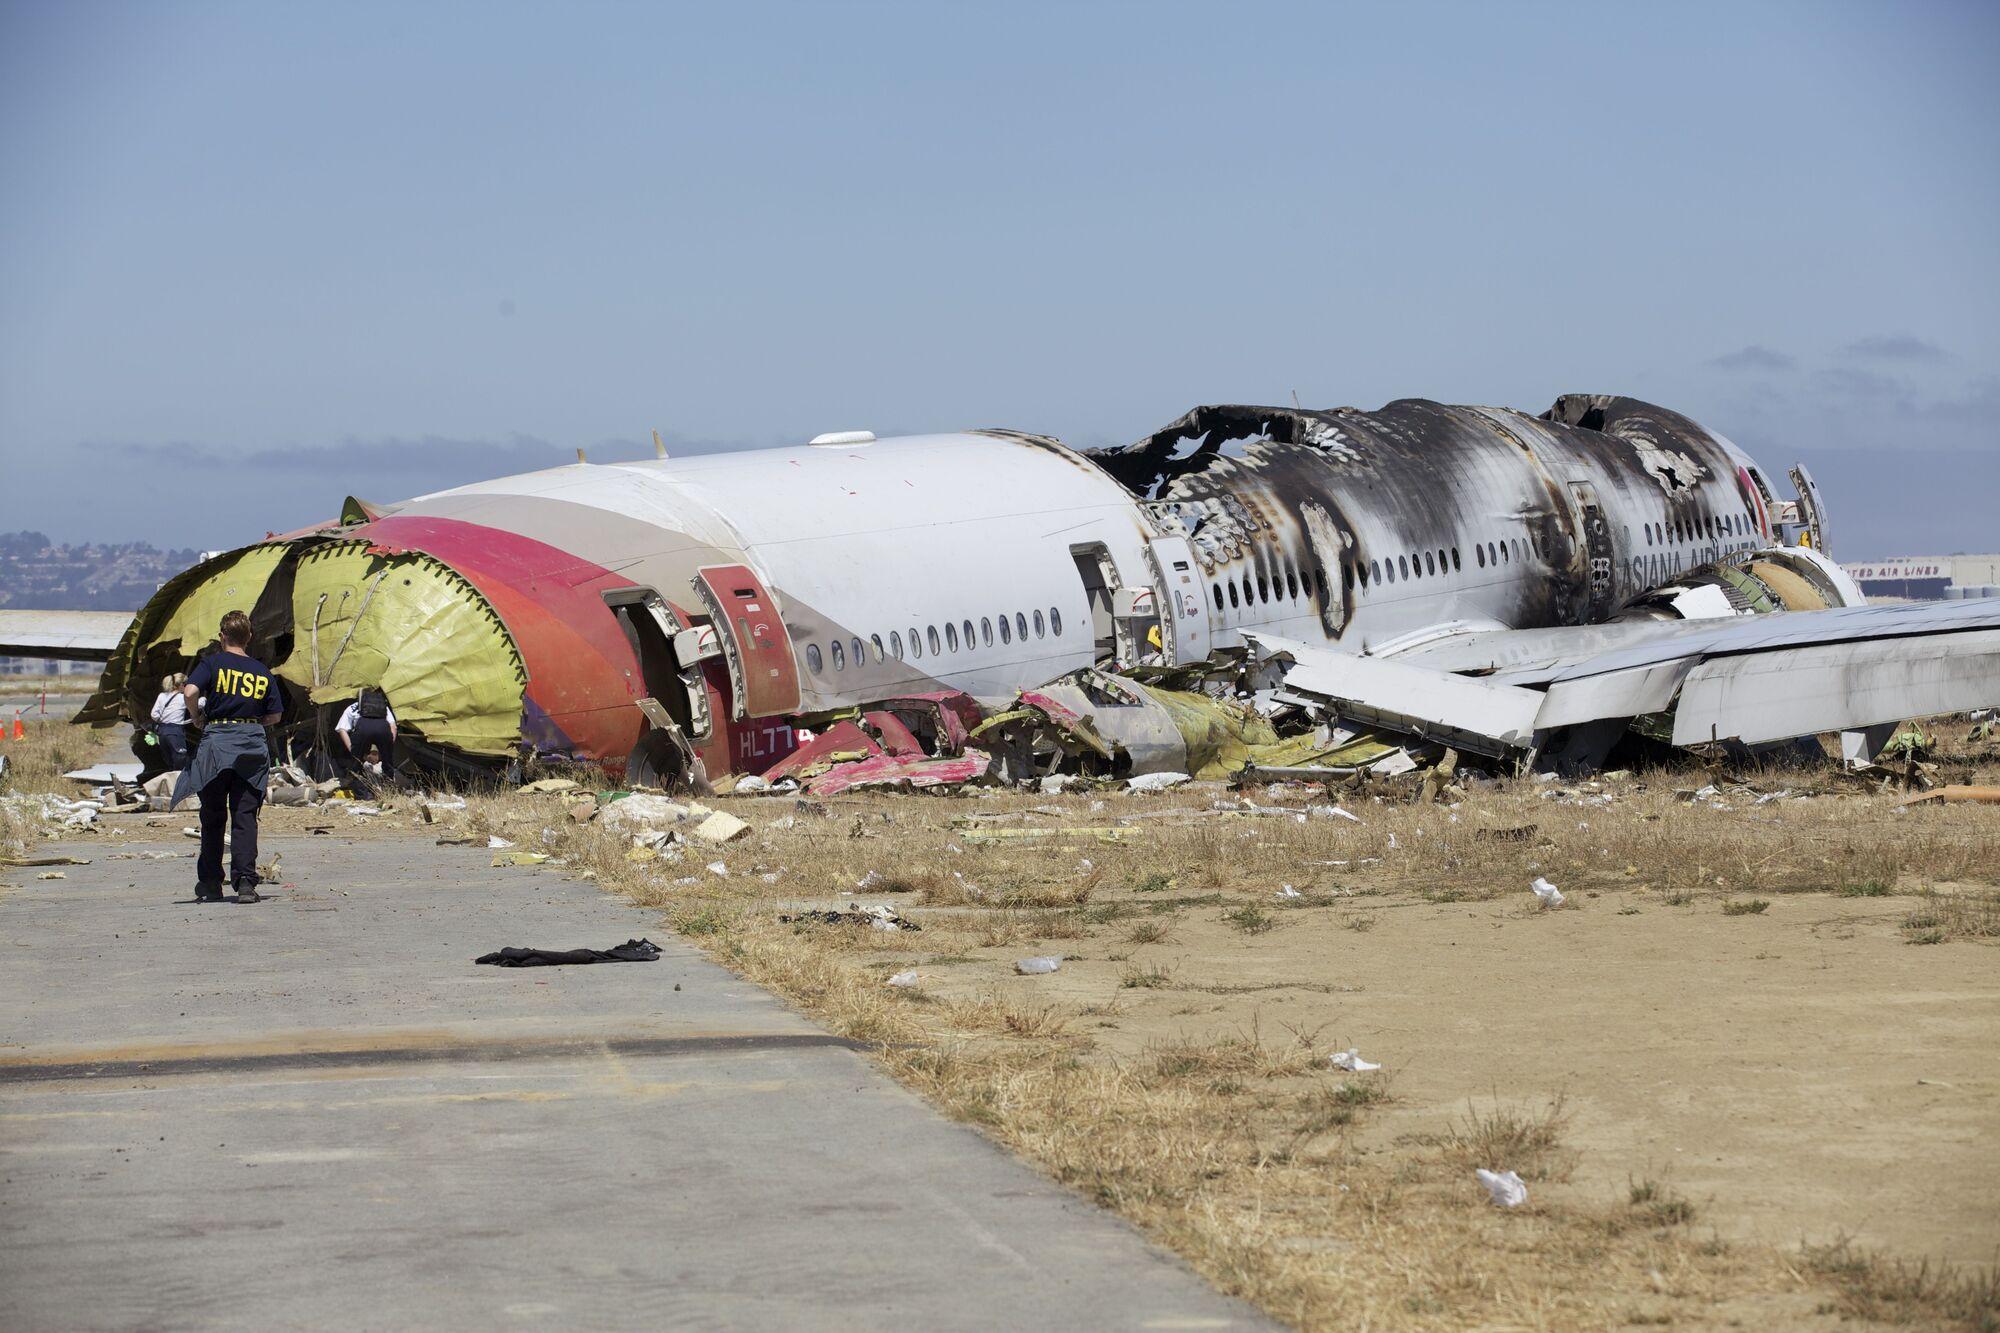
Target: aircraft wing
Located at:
point(76, 636)
point(1753, 679)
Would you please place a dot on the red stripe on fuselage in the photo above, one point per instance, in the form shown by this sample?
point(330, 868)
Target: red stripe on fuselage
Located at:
point(581, 671)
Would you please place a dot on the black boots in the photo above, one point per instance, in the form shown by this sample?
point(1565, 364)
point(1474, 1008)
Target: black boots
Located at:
point(208, 892)
point(247, 893)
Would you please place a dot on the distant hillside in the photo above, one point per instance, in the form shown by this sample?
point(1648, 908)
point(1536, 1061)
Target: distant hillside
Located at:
point(39, 575)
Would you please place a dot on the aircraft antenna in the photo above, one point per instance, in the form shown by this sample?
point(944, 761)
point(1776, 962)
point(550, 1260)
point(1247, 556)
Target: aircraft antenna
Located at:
point(659, 450)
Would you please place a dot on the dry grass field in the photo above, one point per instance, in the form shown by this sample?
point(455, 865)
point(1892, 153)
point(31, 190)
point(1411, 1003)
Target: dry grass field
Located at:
point(1746, 1070)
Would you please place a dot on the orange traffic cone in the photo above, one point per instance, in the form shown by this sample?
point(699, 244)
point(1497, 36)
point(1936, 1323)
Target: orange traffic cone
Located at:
point(20, 730)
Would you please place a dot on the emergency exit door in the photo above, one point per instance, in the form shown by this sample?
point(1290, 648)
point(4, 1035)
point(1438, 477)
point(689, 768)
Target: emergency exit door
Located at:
point(763, 674)
point(1184, 630)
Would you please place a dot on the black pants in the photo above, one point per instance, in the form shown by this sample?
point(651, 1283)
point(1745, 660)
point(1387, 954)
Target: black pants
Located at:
point(373, 732)
point(230, 800)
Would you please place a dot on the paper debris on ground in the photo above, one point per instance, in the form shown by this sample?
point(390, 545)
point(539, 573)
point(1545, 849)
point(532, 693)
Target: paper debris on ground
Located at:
point(1156, 781)
point(1505, 1187)
point(1549, 894)
point(553, 784)
point(1030, 967)
point(497, 843)
point(521, 859)
point(1351, 1061)
point(903, 979)
point(721, 826)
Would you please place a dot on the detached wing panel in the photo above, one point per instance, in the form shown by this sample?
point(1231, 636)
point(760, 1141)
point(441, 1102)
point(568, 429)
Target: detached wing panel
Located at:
point(74, 636)
point(1775, 695)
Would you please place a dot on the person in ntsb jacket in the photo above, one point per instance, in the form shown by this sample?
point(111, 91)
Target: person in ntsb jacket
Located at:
point(233, 697)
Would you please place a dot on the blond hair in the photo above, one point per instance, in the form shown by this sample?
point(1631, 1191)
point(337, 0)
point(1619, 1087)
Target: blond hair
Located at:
point(172, 681)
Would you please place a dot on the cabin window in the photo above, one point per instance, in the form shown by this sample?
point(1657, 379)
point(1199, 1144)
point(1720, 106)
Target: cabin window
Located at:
point(1263, 587)
point(839, 657)
point(860, 654)
point(1215, 588)
point(1307, 581)
point(951, 636)
point(896, 645)
point(1021, 627)
point(1375, 571)
point(1456, 563)
point(970, 642)
point(932, 635)
point(1506, 553)
point(1232, 596)
point(1292, 582)
point(814, 660)
point(1346, 579)
point(985, 630)
point(1006, 630)
point(1038, 615)
point(1249, 592)
point(1402, 567)
point(881, 655)
point(1430, 565)
point(1479, 556)
point(1055, 622)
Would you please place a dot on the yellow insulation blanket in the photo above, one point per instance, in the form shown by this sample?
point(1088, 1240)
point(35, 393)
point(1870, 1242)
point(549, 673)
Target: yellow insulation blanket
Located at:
point(233, 585)
point(410, 626)
point(1223, 737)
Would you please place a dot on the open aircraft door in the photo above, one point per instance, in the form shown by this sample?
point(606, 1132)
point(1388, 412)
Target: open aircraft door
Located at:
point(763, 674)
point(1184, 630)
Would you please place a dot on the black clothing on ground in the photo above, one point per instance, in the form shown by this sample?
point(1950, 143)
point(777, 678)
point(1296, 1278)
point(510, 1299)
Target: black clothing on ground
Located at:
point(230, 799)
point(631, 951)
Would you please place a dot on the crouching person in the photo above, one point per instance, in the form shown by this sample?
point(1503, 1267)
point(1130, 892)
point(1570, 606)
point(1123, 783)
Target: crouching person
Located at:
point(235, 698)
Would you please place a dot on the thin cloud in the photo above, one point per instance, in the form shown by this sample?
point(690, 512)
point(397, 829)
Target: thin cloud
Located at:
point(1897, 347)
point(1753, 357)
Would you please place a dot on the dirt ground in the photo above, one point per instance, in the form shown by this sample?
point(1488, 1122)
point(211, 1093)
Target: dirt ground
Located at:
point(1747, 1069)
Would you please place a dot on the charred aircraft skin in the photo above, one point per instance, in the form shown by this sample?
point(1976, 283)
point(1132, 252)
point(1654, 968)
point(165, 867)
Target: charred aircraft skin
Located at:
point(712, 601)
point(1421, 511)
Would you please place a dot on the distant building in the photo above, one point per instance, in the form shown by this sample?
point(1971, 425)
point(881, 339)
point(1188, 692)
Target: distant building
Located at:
point(1930, 578)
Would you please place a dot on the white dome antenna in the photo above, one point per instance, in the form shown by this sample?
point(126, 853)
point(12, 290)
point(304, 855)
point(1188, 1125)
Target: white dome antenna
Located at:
point(833, 439)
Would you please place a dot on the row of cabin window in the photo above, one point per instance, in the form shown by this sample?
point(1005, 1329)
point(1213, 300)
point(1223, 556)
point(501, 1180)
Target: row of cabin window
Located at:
point(1702, 529)
point(1295, 583)
point(1011, 628)
point(1446, 560)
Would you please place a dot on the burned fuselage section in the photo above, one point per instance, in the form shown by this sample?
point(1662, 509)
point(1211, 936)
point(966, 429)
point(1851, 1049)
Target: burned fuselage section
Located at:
point(1367, 526)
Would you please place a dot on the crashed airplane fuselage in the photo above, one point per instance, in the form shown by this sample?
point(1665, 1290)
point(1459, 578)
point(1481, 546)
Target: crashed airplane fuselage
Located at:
point(655, 611)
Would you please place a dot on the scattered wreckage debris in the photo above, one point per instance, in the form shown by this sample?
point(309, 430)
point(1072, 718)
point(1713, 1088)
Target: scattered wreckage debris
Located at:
point(874, 918)
point(916, 741)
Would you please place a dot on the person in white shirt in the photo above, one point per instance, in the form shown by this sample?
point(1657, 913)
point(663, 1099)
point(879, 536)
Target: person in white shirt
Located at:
point(368, 724)
point(170, 721)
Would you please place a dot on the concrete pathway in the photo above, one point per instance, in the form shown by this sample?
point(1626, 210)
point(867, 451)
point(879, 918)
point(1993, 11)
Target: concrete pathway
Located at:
point(316, 1111)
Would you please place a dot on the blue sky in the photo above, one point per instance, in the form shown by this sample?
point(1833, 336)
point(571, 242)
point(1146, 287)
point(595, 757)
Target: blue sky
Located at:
point(258, 257)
